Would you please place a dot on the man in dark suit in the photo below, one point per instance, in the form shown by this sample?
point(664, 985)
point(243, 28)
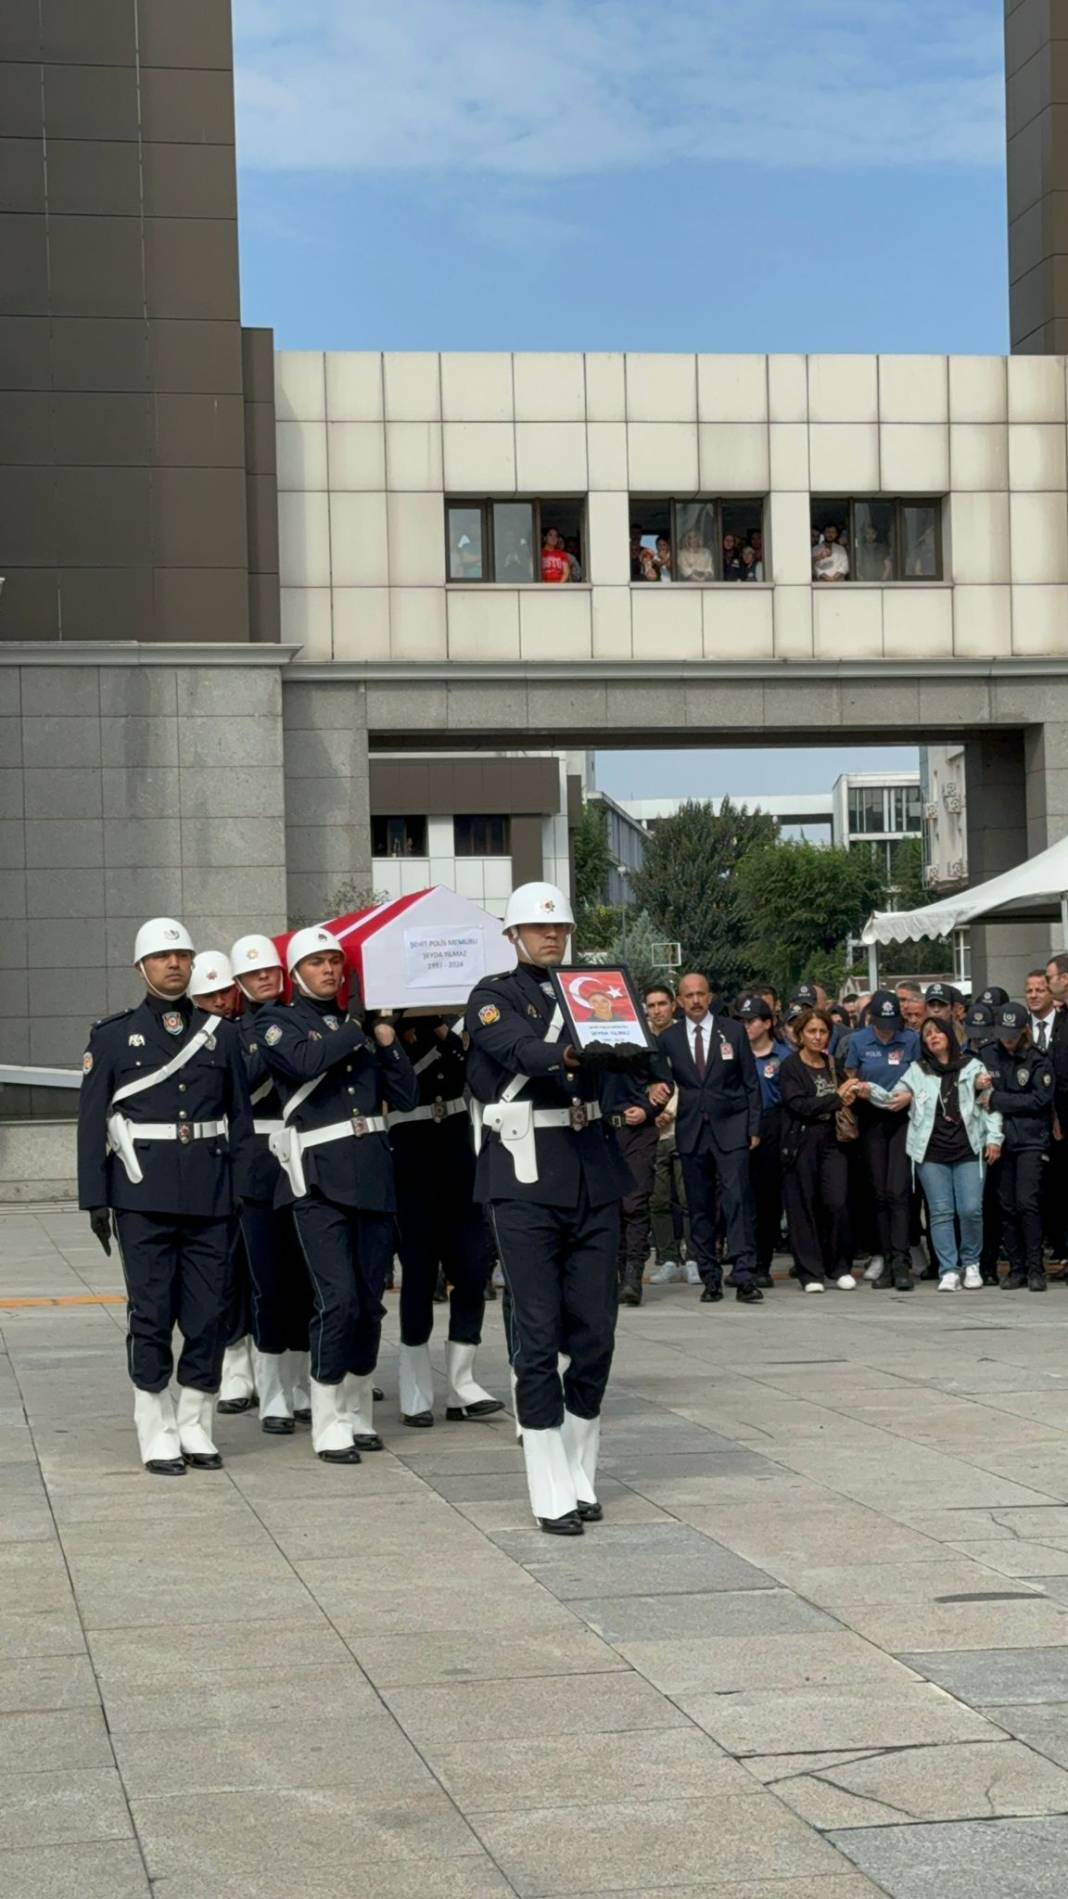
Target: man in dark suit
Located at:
point(718, 1122)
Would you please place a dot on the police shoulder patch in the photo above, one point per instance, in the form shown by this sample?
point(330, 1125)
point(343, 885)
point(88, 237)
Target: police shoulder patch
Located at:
point(489, 1014)
point(87, 1062)
point(272, 1035)
point(1046, 1078)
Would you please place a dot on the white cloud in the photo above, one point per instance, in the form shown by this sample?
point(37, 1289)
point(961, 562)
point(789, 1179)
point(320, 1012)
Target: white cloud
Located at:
point(565, 88)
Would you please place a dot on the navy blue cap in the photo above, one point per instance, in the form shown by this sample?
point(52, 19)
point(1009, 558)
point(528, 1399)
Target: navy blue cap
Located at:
point(979, 1019)
point(805, 994)
point(994, 996)
point(1014, 1016)
point(884, 1007)
point(940, 992)
point(751, 1007)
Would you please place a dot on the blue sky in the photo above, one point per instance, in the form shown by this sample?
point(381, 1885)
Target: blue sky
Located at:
point(599, 174)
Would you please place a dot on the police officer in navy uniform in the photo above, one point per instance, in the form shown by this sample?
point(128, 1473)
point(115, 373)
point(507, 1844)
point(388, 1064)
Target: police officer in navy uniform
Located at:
point(980, 1032)
point(628, 1109)
point(551, 1174)
point(757, 1017)
point(280, 1305)
point(212, 988)
point(338, 1177)
point(439, 1227)
point(1022, 1093)
point(164, 1138)
point(881, 1052)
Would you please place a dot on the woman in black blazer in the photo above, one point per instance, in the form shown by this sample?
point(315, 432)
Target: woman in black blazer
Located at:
point(814, 1174)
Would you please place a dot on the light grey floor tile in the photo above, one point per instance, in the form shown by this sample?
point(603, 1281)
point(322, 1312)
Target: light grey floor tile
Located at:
point(587, 1770)
point(111, 1870)
point(52, 1633)
point(489, 1711)
point(397, 1661)
point(648, 1559)
point(151, 1659)
point(221, 1836)
point(971, 1781)
point(366, 1756)
point(50, 1808)
point(232, 1697)
point(983, 1676)
point(733, 1663)
point(73, 1738)
point(775, 1722)
point(999, 1859)
point(724, 1613)
point(46, 1682)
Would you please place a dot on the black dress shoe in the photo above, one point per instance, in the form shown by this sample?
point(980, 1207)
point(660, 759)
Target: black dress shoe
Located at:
point(570, 1525)
point(419, 1420)
point(166, 1466)
point(903, 1280)
point(711, 1295)
point(278, 1427)
point(590, 1512)
point(203, 1460)
point(230, 1406)
point(1036, 1280)
point(484, 1408)
point(377, 1395)
point(765, 1280)
point(749, 1295)
point(349, 1456)
point(303, 1416)
point(368, 1441)
point(630, 1296)
point(1013, 1282)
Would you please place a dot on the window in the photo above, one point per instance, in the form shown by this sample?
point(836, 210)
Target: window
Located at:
point(516, 543)
point(696, 542)
point(398, 837)
point(480, 836)
point(906, 808)
point(874, 540)
point(866, 809)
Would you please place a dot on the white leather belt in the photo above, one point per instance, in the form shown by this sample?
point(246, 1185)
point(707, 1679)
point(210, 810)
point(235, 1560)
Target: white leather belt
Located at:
point(183, 1131)
point(268, 1127)
point(578, 1116)
point(358, 1126)
point(434, 1111)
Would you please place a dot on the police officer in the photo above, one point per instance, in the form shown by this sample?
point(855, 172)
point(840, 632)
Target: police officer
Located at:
point(280, 1304)
point(1023, 1096)
point(338, 1178)
point(164, 1136)
point(765, 1161)
point(212, 988)
point(980, 1033)
point(439, 1227)
point(881, 1053)
point(552, 1176)
point(628, 1109)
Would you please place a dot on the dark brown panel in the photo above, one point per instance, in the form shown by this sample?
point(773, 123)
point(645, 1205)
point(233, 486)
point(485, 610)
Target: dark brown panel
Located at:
point(31, 604)
point(191, 266)
point(105, 108)
point(24, 271)
point(100, 353)
point(262, 514)
point(26, 428)
point(260, 438)
point(198, 517)
point(534, 783)
point(187, 108)
point(467, 792)
point(28, 512)
point(194, 431)
point(107, 603)
point(190, 181)
point(195, 356)
point(527, 864)
point(264, 609)
point(257, 357)
point(89, 32)
point(103, 517)
point(22, 174)
point(24, 353)
point(20, 33)
point(102, 430)
point(20, 100)
point(94, 176)
point(204, 604)
point(96, 266)
point(190, 33)
point(574, 800)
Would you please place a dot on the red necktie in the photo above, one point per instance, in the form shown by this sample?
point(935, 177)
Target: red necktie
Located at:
point(699, 1051)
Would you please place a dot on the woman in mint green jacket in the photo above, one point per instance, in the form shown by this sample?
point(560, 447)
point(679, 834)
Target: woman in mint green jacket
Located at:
point(951, 1134)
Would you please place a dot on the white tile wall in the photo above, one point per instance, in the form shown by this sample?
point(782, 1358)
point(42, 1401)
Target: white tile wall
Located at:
point(737, 623)
point(554, 623)
point(357, 452)
point(1036, 455)
point(361, 623)
point(1036, 388)
point(412, 384)
point(606, 451)
point(847, 622)
point(792, 618)
point(789, 537)
point(979, 537)
point(844, 457)
point(661, 388)
point(414, 456)
point(417, 623)
point(440, 837)
point(982, 622)
point(299, 386)
point(306, 621)
point(843, 389)
point(732, 458)
point(788, 388)
point(300, 449)
point(358, 545)
point(608, 529)
point(551, 458)
point(732, 388)
point(666, 622)
point(914, 458)
point(917, 623)
point(1039, 532)
point(978, 455)
point(606, 388)
point(788, 455)
point(479, 458)
point(1040, 622)
point(353, 386)
point(913, 389)
point(978, 389)
point(611, 623)
point(662, 457)
point(476, 388)
point(416, 540)
point(483, 623)
point(304, 540)
point(549, 388)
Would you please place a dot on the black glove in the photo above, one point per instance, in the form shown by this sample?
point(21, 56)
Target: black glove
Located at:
point(100, 1221)
point(617, 1058)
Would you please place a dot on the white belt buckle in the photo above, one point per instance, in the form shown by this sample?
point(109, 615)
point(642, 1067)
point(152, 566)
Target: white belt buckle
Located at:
point(185, 1133)
point(359, 1126)
point(579, 1117)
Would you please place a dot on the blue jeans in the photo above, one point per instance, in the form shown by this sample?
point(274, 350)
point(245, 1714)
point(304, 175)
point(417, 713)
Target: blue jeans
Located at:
point(954, 1192)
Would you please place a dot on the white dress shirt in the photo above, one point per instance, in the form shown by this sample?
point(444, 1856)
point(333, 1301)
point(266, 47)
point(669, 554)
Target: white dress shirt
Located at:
point(705, 1026)
point(1040, 1022)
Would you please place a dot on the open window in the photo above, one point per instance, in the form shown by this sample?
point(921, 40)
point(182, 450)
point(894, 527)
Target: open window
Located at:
point(696, 542)
point(516, 542)
point(876, 538)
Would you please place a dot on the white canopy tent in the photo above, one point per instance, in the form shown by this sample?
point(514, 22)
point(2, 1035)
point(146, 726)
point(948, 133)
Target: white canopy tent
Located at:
point(1034, 892)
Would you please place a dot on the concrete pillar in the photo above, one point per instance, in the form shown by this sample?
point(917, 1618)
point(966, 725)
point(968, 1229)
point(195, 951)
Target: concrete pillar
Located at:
point(328, 798)
point(1046, 765)
point(997, 840)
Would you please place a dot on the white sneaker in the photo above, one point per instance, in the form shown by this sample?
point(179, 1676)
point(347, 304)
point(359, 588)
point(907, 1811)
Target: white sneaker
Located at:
point(846, 1283)
point(973, 1279)
point(693, 1277)
point(666, 1274)
point(814, 1285)
point(874, 1268)
point(949, 1282)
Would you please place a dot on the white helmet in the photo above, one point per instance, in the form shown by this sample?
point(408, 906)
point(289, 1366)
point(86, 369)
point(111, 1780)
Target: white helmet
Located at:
point(310, 942)
point(254, 952)
point(211, 971)
point(537, 903)
point(159, 935)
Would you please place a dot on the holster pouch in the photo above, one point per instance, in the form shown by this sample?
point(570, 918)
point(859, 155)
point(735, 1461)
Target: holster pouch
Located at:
point(121, 1143)
point(513, 1121)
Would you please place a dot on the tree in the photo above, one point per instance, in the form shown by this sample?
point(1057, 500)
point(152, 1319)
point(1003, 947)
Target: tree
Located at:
point(800, 901)
point(688, 886)
point(593, 858)
point(634, 943)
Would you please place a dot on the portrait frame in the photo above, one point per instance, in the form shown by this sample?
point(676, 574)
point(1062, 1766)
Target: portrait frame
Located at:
point(600, 1003)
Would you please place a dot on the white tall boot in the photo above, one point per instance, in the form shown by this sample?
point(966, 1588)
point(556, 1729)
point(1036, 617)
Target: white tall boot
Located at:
point(157, 1433)
point(237, 1386)
point(276, 1406)
point(416, 1386)
point(296, 1376)
point(332, 1425)
point(466, 1398)
point(360, 1398)
point(514, 1382)
point(550, 1482)
point(194, 1428)
point(582, 1439)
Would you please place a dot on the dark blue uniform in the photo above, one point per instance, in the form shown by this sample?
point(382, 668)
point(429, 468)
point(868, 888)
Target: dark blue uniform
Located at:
point(719, 1113)
point(558, 1235)
point(438, 1223)
point(280, 1304)
point(345, 1220)
point(175, 1225)
point(1023, 1095)
point(765, 1161)
point(882, 1145)
point(638, 1145)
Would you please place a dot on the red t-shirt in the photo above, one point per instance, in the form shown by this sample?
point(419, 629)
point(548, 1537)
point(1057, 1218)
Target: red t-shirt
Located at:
point(554, 564)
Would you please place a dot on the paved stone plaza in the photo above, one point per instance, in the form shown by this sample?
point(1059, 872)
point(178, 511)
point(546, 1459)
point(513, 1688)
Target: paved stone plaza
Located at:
point(818, 1649)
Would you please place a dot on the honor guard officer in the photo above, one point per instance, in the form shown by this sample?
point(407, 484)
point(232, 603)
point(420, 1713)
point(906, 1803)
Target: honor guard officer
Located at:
point(338, 1178)
point(212, 988)
point(439, 1227)
point(765, 1162)
point(1022, 1094)
point(281, 1289)
point(164, 1136)
point(552, 1176)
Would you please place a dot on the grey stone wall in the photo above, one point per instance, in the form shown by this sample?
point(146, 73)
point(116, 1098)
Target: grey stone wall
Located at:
point(327, 789)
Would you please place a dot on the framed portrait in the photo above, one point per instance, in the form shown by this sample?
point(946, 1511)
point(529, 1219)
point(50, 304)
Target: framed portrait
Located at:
point(600, 1004)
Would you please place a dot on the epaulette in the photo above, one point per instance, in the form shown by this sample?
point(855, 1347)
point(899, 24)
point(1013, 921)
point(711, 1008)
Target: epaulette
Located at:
point(119, 1016)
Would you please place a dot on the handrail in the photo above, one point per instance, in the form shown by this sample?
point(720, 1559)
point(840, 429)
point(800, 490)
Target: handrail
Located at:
point(13, 1076)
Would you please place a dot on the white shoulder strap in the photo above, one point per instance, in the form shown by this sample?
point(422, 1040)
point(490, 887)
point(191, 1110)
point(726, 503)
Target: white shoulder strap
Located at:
point(518, 1082)
point(297, 1101)
point(432, 1055)
point(204, 1034)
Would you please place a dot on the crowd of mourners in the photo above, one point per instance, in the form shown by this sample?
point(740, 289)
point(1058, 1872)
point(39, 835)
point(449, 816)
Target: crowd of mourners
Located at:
point(907, 1134)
